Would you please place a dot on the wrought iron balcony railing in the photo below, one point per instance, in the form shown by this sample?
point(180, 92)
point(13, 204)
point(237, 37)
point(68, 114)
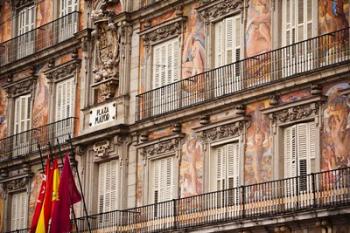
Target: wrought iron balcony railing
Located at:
point(39, 39)
point(317, 191)
point(274, 66)
point(27, 142)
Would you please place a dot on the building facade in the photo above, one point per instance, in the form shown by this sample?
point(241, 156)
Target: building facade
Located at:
point(184, 115)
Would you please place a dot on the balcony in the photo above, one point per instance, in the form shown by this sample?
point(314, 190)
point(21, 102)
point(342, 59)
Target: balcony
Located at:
point(275, 66)
point(22, 144)
point(314, 192)
point(39, 39)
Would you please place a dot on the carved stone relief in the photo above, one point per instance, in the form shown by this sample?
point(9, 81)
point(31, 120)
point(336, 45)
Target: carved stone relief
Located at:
point(215, 10)
point(164, 31)
point(224, 131)
point(162, 147)
point(107, 40)
point(17, 184)
point(101, 148)
point(21, 87)
point(296, 113)
point(59, 73)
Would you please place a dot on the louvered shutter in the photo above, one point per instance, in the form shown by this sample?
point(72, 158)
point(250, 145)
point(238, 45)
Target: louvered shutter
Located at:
point(302, 154)
point(220, 168)
point(108, 186)
point(312, 142)
point(219, 42)
point(290, 152)
point(101, 187)
point(163, 179)
point(22, 114)
point(19, 211)
point(64, 99)
point(157, 67)
point(232, 165)
point(156, 181)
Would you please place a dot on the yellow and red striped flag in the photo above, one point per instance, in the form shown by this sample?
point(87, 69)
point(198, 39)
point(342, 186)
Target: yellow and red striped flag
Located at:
point(45, 213)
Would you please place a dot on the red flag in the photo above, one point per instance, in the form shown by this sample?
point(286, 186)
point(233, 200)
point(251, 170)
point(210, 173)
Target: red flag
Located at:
point(67, 195)
point(40, 200)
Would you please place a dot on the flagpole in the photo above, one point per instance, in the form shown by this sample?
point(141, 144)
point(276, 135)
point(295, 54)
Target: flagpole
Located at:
point(72, 209)
point(41, 158)
point(79, 181)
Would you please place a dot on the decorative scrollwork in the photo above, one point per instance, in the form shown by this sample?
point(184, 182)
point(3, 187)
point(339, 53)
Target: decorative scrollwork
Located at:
point(224, 131)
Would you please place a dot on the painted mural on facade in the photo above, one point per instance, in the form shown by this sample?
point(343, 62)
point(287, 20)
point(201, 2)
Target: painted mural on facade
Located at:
point(193, 55)
point(192, 162)
point(41, 104)
point(294, 96)
point(258, 41)
point(3, 113)
point(34, 192)
point(334, 16)
point(258, 31)
point(258, 153)
point(336, 128)
point(44, 15)
point(5, 21)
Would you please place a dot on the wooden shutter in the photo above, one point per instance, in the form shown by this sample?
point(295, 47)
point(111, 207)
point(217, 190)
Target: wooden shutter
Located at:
point(219, 42)
point(233, 165)
point(165, 63)
point(163, 179)
point(290, 152)
point(302, 155)
point(23, 114)
point(19, 210)
point(108, 186)
point(220, 168)
point(64, 99)
point(226, 167)
point(300, 146)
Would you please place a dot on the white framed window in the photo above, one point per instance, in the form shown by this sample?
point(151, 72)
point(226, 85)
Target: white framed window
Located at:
point(162, 180)
point(225, 166)
point(65, 94)
point(64, 108)
point(108, 186)
point(22, 123)
point(68, 24)
point(19, 211)
point(165, 71)
point(227, 50)
point(165, 63)
point(25, 35)
point(300, 145)
point(299, 19)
